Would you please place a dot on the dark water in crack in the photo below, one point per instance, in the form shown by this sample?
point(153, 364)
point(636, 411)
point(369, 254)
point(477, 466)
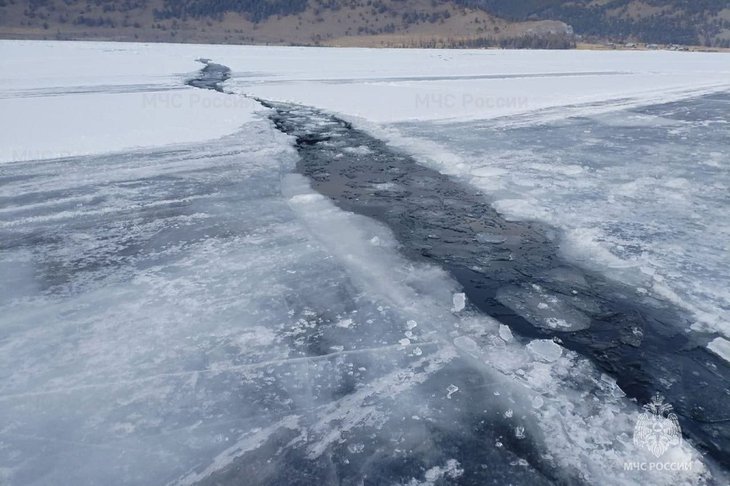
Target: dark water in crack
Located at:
point(212, 76)
point(504, 265)
point(507, 268)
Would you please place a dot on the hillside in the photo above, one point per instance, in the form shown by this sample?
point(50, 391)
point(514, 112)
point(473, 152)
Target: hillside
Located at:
point(409, 23)
point(695, 22)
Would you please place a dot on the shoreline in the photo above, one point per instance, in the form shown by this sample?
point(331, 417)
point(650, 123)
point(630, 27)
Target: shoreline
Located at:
point(363, 42)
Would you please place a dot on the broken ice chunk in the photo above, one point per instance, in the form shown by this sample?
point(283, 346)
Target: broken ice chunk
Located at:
point(545, 350)
point(459, 301)
point(505, 333)
point(721, 347)
point(545, 309)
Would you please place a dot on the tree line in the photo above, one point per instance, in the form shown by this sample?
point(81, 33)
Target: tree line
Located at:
point(678, 21)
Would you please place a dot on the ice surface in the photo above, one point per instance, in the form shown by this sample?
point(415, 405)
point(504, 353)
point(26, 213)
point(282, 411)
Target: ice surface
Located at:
point(60, 99)
point(639, 194)
point(196, 314)
point(580, 175)
point(178, 317)
point(135, 89)
point(398, 85)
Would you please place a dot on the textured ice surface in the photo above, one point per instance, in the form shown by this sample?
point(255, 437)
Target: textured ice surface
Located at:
point(641, 195)
point(438, 220)
point(195, 314)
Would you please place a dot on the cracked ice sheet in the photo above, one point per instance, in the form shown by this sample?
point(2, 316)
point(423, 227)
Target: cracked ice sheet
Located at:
point(159, 307)
point(506, 393)
point(639, 195)
point(177, 317)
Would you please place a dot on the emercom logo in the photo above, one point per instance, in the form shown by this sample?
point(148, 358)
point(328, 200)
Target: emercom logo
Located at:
point(657, 428)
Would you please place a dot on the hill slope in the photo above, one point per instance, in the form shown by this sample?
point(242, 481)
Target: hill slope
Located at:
point(695, 22)
point(411, 23)
point(426, 23)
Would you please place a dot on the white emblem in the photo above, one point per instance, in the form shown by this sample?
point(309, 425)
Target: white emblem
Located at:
point(657, 428)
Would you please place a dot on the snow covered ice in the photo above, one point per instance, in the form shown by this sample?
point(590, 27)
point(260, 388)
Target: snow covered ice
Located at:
point(640, 194)
point(181, 306)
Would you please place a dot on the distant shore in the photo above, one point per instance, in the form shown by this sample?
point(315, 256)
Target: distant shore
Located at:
point(392, 41)
point(640, 46)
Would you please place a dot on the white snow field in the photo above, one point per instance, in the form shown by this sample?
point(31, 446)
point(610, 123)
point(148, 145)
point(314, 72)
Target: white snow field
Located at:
point(178, 306)
point(61, 99)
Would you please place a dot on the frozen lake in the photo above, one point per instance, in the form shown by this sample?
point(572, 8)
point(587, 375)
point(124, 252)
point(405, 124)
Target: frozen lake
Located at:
point(405, 267)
